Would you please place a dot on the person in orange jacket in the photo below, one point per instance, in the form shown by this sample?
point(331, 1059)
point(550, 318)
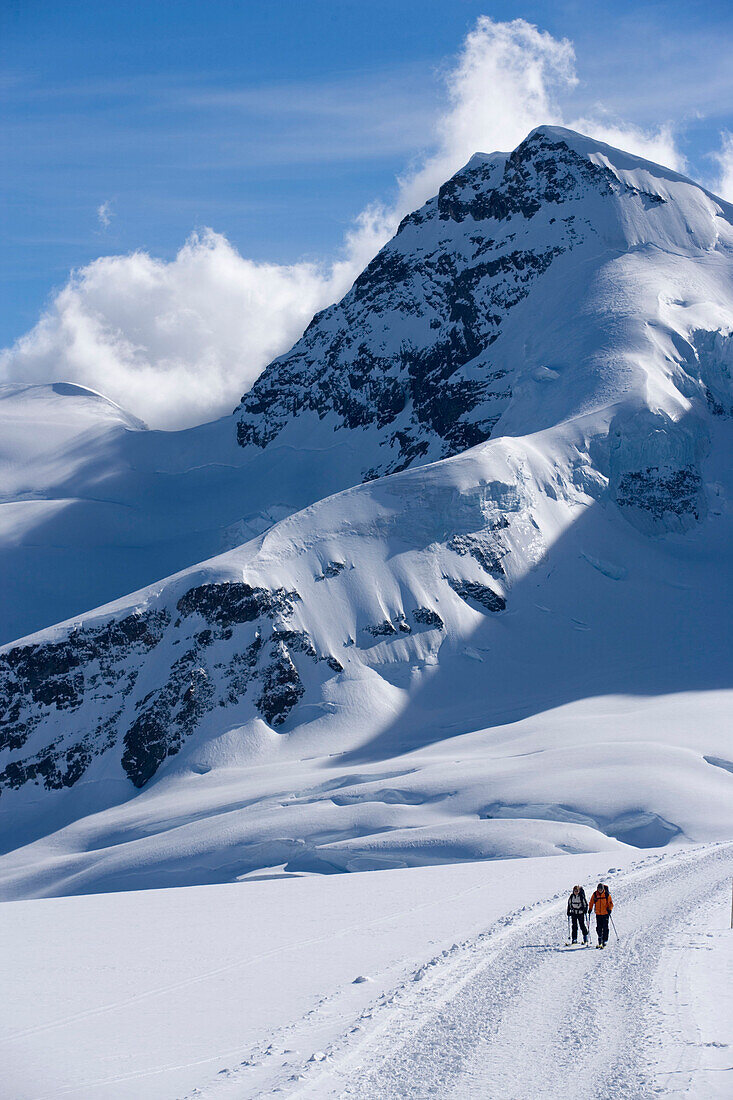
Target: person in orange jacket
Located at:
point(602, 902)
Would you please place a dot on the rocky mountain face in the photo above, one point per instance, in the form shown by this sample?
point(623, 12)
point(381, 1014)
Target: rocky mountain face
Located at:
point(408, 351)
point(541, 361)
point(142, 682)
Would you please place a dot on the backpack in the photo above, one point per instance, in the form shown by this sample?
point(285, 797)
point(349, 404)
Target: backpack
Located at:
point(603, 902)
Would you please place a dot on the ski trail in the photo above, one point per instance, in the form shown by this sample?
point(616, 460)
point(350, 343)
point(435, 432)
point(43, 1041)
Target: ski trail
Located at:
point(694, 1051)
point(514, 1014)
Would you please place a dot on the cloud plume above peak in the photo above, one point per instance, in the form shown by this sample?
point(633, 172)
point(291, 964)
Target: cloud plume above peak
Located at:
point(177, 343)
point(506, 80)
point(723, 184)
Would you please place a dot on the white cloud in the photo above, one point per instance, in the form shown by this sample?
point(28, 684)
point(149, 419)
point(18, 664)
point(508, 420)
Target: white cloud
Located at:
point(175, 343)
point(104, 213)
point(723, 184)
point(178, 342)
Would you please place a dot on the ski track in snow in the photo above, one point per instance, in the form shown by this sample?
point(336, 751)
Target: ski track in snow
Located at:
point(477, 1021)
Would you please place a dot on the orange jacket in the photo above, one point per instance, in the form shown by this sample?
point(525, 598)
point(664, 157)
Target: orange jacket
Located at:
point(603, 903)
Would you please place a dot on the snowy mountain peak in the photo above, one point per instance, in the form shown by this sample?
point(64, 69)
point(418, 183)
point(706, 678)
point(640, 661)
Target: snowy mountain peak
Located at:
point(549, 168)
point(423, 355)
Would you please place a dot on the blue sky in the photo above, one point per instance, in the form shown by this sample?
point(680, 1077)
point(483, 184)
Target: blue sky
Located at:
point(276, 121)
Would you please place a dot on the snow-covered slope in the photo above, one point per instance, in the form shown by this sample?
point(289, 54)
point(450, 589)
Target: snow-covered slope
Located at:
point(561, 262)
point(443, 981)
point(519, 648)
point(93, 505)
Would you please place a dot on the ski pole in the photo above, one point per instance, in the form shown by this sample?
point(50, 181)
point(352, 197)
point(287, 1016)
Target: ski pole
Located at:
point(613, 925)
point(568, 927)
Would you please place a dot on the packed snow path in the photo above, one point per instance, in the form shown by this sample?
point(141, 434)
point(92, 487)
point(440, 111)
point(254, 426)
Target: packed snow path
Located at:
point(515, 1013)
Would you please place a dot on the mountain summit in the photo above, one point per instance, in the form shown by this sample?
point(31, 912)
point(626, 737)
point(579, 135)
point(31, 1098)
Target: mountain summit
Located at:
point(482, 610)
point(422, 357)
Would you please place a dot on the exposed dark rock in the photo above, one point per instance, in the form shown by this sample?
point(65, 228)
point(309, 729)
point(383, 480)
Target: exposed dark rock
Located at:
point(486, 551)
point(296, 640)
point(540, 172)
point(103, 662)
point(385, 629)
point(657, 491)
point(235, 602)
point(54, 769)
point(146, 745)
point(34, 678)
point(167, 716)
point(238, 669)
point(388, 628)
point(331, 570)
point(427, 617)
point(281, 686)
point(478, 593)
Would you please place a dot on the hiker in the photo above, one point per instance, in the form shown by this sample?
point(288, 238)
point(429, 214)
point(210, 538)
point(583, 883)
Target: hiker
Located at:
point(603, 903)
point(577, 908)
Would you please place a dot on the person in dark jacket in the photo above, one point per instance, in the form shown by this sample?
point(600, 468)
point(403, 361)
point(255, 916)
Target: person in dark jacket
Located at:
point(577, 908)
point(601, 900)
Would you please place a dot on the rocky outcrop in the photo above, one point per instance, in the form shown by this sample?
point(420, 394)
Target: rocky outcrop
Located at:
point(235, 603)
point(655, 476)
point(56, 678)
point(143, 684)
point(473, 592)
point(235, 644)
point(332, 569)
point(663, 493)
point(427, 617)
point(486, 549)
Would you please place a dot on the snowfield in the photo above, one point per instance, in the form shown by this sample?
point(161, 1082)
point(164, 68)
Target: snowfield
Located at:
point(257, 989)
point(578, 778)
